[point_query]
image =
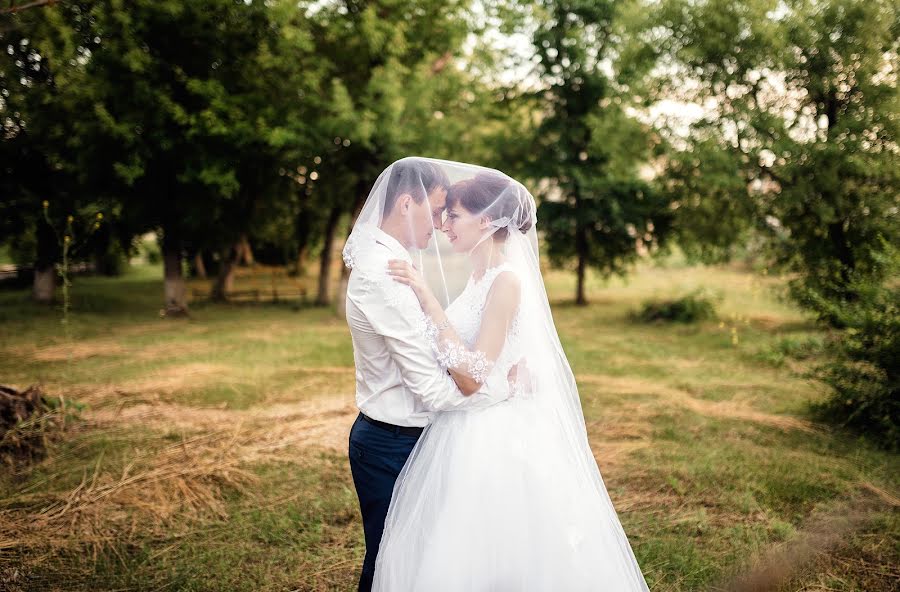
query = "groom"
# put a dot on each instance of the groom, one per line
(399, 383)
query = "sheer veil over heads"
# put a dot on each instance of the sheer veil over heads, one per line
(410, 202)
(458, 222)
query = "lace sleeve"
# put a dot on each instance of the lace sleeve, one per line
(474, 364)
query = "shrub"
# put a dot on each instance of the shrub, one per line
(692, 308)
(797, 348)
(863, 369)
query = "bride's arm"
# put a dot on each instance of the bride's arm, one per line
(468, 367)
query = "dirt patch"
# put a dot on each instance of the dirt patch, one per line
(813, 552)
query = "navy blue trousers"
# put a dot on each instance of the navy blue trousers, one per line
(376, 458)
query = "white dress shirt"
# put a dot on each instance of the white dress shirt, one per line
(398, 379)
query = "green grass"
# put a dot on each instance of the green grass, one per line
(691, 424)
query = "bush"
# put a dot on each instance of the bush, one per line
(150, 251)
(797, 348)
(692, 308)
(864, 367)
(112, 261)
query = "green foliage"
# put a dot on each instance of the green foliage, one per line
(864, 369)
(798, 145)
(796, 348)
(691, 308)
(712, 216)
(798, 138)
(41, 69)
(595, 210)
(601, 223)
(170, 115)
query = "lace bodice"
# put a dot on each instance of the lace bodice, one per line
(465, 314)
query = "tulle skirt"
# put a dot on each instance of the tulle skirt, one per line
(496, 500)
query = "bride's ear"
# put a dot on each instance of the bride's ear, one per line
(484, 222)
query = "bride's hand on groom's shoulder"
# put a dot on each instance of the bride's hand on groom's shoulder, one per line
(406, 273)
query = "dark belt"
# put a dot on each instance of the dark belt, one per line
(405, 430)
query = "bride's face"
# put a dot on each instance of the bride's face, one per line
(463, 228)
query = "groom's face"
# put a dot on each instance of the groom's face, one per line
(428, 216)
(437, 199)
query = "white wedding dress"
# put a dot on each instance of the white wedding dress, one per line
(494, 500)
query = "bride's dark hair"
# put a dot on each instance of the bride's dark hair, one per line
(494, 196)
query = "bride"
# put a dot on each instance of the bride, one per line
(504, 498)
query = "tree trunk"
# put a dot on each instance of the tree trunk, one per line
(175, 292)
(245, 252)
(301, 260)
(345, 271)
(44, 287)
(303, 230)
(581, 247)
(199, 265)
(325, 259)
(225, 278)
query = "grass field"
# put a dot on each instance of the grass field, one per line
(210, 451)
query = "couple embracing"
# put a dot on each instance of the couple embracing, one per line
(470, 454)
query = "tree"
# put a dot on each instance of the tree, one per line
(800, 139)
(387, 63)
(42, 71)
(597, 210)
(184, 100)
(799, 143)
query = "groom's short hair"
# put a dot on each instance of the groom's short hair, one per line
(416, 177)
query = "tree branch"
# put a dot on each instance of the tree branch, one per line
(14, 9)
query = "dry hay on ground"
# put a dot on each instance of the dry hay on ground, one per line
(323, 422)
(150, 387)
(170, 349)
(86, 348)
(77, 350)
(152, 493)
(178, 378)
(82, 350)
(165, 491)
(718, 409)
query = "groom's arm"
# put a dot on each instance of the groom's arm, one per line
(393, 311)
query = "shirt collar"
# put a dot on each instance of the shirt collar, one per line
(391, 243)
